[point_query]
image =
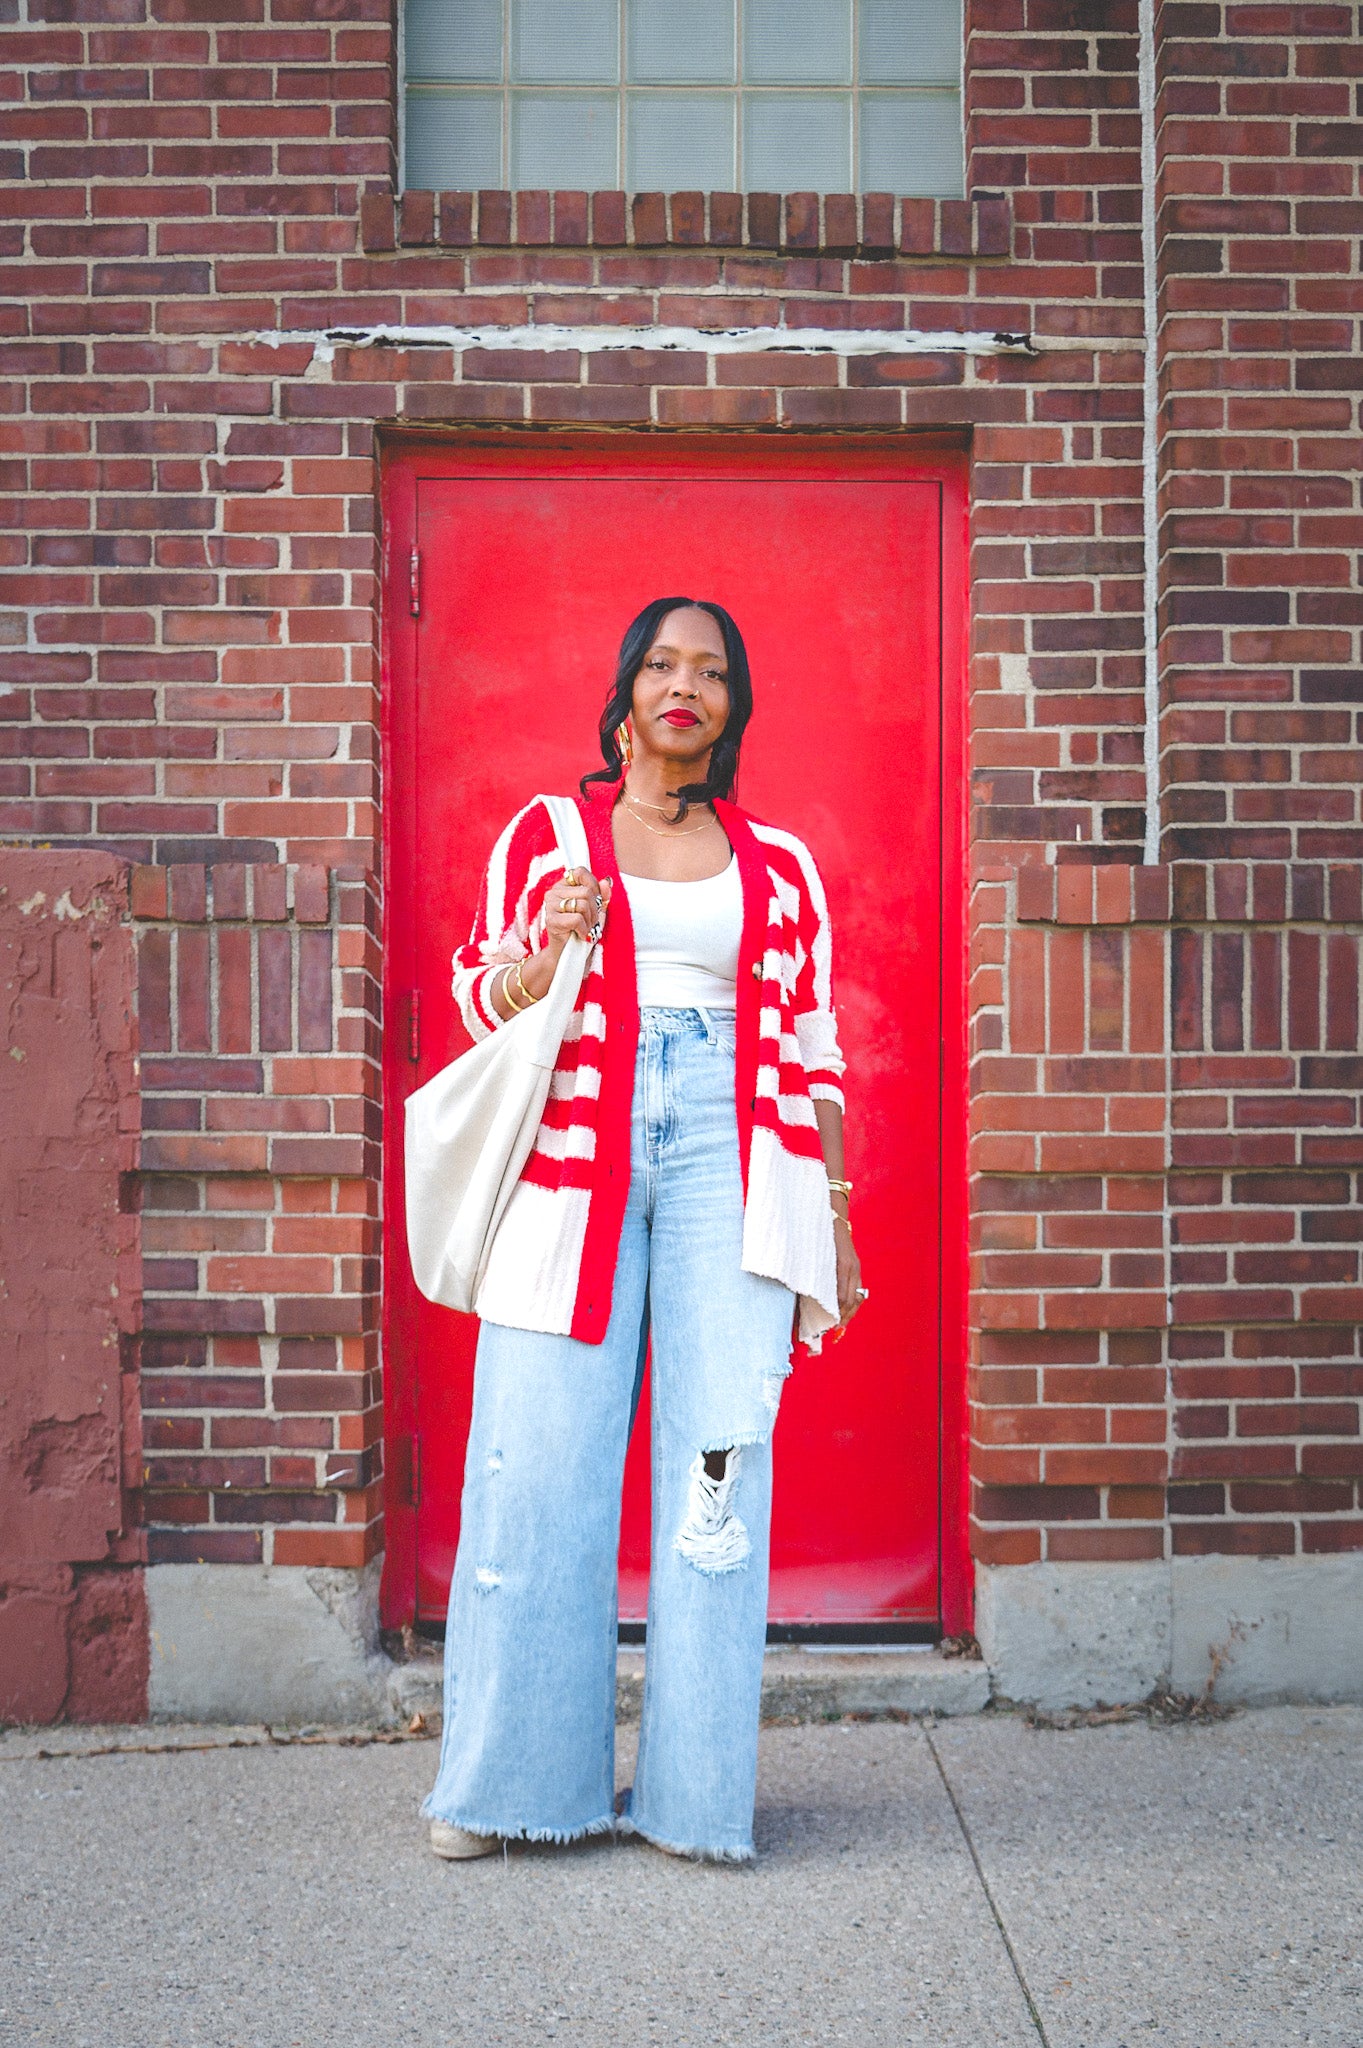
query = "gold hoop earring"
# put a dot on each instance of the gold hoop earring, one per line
(624, 741)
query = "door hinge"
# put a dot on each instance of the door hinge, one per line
(414, 1026)
(414, 584)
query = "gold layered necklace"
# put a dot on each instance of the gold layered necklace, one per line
(673, 832)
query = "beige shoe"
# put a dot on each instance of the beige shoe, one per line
(457, 1845)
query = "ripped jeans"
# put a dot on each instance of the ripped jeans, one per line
(529, 1736)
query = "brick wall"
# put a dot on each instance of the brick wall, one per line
(1069, 1158)
(1266, 1145)
(190, 673)
(1168, 1130)
(193, 513)
(1260, 297)
(258, 1004)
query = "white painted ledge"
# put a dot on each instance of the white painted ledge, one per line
(714, 341)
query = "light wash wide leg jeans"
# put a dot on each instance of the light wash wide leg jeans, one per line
(529, 1738)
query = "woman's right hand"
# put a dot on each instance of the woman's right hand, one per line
(575, 908)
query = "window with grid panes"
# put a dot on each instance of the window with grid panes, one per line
(684, 95)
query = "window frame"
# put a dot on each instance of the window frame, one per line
(624, 88)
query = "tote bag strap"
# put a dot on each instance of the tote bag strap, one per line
(541, 1033)
(569, 830)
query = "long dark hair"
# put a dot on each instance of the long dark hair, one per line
(642, 632)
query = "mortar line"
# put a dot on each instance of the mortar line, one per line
(1013, 1957)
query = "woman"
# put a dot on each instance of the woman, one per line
(687, 1182)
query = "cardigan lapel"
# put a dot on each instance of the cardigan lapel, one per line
(620, 999)
(756, 882)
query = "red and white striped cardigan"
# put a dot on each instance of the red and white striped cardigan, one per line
(552, 1263)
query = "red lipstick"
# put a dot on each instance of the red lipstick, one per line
(680, 717)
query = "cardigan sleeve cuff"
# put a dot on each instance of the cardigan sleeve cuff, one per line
(820, 1053)
(473, 993)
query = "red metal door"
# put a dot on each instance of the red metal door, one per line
(513, 568)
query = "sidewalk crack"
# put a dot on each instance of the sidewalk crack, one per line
(1013, 1957)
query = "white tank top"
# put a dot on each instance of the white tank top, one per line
(686, 937)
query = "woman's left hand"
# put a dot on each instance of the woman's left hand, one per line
(850, 1296)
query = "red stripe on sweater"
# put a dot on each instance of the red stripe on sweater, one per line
(544, 1172)
(565, 1114)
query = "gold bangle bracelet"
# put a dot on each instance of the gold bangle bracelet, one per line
(520, 983)
(507, 996)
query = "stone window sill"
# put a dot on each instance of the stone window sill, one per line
(870, 224)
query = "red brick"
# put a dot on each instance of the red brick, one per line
(417, 218)
(764, 220)
(533, 217)
(494, 218)
(650, 219)
(455, 219)
(377, 224)
(570, 218)
(1005, 1546)
(1104, 1544)
(346, 1549)
(1233, 1539)
(693, 407)
(608, 218)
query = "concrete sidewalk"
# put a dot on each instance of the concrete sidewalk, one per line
(975, 1881)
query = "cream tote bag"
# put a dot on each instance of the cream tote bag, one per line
(470, 1130)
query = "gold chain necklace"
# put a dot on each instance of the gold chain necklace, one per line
(631, 798)
(689, 833)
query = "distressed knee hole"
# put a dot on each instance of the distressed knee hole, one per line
(712, 1536)
(487, 1579)
(494, 1462)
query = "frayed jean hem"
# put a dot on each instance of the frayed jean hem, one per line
(604, 1825)
(694, 1851)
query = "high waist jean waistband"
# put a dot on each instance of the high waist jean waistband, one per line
(656, 1021)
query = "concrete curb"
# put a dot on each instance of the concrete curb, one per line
(797, 1685)
(817, 1685)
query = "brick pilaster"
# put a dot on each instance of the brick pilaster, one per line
(258, 1005)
